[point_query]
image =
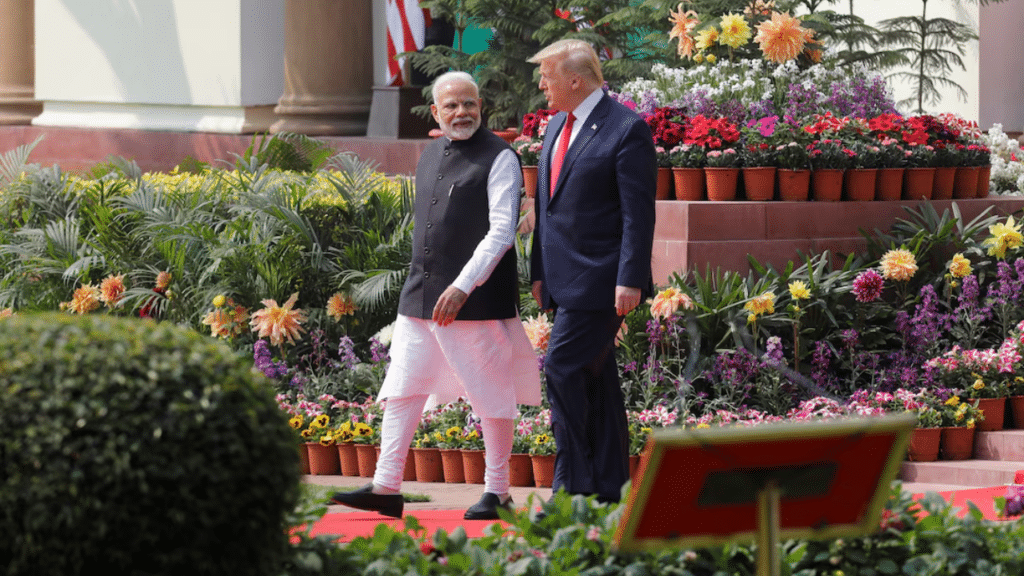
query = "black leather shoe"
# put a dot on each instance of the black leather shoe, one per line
(486, 508)
(364, 499)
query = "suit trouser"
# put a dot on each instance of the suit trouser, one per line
(588, 414)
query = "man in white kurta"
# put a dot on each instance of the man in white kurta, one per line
(458, 333)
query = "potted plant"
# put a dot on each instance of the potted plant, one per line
(688, 161)
(862, 174)
(958, 426)
(722, 173)
(365, 439)
(427, 455)
(891, 163)
(542, 455)
(828, 158)
(320, 442)
(757, 155)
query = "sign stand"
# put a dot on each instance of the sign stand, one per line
(780, 480)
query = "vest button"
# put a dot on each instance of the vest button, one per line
(447, 152)
(429, 225)
(426, 274)
(439, 176)
(426, 250)
(548, 212)
(433, 200)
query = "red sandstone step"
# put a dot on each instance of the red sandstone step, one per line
(964, 473)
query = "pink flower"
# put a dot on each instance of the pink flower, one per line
(867, 286)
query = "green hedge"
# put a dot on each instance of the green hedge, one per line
(135, 447)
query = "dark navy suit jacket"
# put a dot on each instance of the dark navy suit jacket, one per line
(596, 231)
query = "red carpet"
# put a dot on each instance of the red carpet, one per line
(350, 525)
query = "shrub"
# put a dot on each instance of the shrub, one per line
(134, 447)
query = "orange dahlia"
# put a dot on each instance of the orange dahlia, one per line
(220, 323)
(111, 290)
(781, 38)
(84, 300)
(6, 313)
(898, 264)
(683, 24)
(163, 280)
(538, 330)
(340, 305)
(668, 301)
(278, 322)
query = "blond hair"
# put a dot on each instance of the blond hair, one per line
(574, 56)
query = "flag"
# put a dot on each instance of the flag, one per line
(407, 24)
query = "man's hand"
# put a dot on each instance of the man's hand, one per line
(536, 291)
(626, 299)
(448, 305)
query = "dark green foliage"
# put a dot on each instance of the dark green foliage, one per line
(131, 447)
(288, 151)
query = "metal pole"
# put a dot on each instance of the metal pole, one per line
(768, 520)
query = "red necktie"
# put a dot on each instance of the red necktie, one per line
(563, 145)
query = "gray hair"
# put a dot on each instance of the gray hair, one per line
(455, 76)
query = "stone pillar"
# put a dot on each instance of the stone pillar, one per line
(328, 68)
(17, 62)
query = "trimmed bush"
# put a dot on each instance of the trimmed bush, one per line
(134, 447)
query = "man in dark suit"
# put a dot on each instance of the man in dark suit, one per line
(591, 261)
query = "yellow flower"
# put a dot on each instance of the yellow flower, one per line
(979, 384)
(668, 301)
(363, 429)
(898, 264)
(541, 439)
(698, 58)
(712, 58)
(307, 433)
(111, 289)
(163, 280)
(763, 304)
(682, 24)
(321, 421)
(735, 30)
(781, 38)
(278, 322)
(219, 300)
(706, 38)
(703, 426)
(340, 305)
(751, 318)
(970, 423)
(960, 266)
(327, 440)
(84, 300)
(295, 422)
(1004, 237)
(453, 432)
(798, 290)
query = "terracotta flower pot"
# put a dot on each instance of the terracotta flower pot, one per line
(957, 443)
(827, 185)
(543, 470)
(942, 183)
(451, 462)
(664, 187)
(409, 473)
(304, 458)
(323, 460)
(759, 183)
(918, 183)
(860, 184)
(965, 182)
(924, 445)
(428, 465)
(473, 465)
(984, 176)
(530, 180)
(349, 459)
(520, 470)
(1017, 411)
(794, 185)
(689, 183)
(721, 183)
(889, 184)
(367, 457)
(993, 409)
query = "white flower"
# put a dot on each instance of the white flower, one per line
(384, 334)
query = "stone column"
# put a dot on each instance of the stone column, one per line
(328, 68)
(17, 62)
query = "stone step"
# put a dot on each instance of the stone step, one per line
(1007, 445)
(961, 473)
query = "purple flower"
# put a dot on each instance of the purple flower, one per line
(347, 352)
(1014, 500)
(867, 286)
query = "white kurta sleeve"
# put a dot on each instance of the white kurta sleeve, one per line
(503, 186)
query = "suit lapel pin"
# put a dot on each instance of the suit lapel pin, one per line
(593, 126)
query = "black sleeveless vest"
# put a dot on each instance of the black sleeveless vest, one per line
(450, 221)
